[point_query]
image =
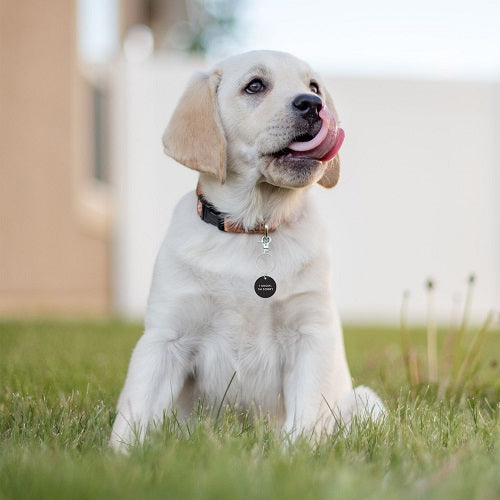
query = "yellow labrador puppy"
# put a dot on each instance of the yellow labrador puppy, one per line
(241, 299)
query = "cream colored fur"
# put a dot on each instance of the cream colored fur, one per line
(204, 321)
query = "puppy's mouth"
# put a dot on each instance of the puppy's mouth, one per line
(323, 146)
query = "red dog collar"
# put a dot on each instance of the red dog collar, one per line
(209, 214)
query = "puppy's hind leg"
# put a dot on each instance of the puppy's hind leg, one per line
(361, 403)
(159, 367)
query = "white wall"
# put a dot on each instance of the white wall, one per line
(418, 195)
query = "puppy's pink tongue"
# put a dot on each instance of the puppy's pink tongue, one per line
(325, 144)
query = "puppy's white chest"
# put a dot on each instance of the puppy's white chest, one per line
(224, 327)
(238, 344)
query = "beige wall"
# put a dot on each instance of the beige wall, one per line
(53, 245)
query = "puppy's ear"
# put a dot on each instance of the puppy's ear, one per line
(332, 172)
(194, 135)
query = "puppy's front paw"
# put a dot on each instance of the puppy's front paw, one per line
(125, 434)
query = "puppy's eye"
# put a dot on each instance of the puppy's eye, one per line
(314, 87)
(254, 87)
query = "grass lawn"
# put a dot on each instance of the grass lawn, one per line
(59, 382)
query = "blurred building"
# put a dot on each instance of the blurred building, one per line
(54, 211)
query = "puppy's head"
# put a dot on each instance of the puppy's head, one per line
(264, 115)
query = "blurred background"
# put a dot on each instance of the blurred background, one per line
(86, 194)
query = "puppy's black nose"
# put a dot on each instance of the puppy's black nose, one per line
(308, 105)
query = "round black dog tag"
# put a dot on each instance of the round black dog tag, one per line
(265, 287)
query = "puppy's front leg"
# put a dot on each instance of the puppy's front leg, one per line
(158, 370)
(316, 377)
